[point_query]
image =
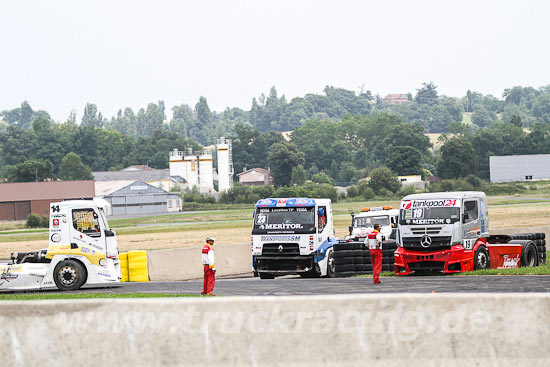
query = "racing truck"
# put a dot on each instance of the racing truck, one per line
(448, 232)
(363, 223)
(82, 250)
(293, 236)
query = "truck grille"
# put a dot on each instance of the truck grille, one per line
(425, 230)
(427, 265)
(437, 243)
(281, 249)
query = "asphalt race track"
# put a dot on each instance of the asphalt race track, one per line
(297, 286)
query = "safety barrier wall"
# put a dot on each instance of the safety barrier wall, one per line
(185, 263)
(510, 231)
(342, 330)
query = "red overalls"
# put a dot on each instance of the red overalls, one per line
(375, 255)
(209, 270)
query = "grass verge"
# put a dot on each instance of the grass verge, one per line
(49, 296)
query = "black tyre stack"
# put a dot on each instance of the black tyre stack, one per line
(343, 259)
(353, 258)
(540, 241)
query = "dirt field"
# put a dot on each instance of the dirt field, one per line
(501, 217)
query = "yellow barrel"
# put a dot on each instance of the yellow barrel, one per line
(137, 266)
(123, 257)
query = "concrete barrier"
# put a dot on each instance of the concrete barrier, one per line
(350, 330)
(185, 263)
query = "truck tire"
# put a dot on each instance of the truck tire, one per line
(343, 261)
(529, 256)
(481, 258)
(266, 276)
(345, 268)
(331, 265)
(343, 253)
(342, 246)
(69, 275)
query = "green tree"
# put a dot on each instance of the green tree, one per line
(91, 117)
(458, 158)
(483, 117)
(405, 160)
(322, 177)
(427, 94)
(298, 175)
(73, 169)
(282, 158)
(31, 170)
(382, 178)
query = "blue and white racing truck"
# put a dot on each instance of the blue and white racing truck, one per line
(293, 236)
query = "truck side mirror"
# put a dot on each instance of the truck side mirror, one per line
(350, 229)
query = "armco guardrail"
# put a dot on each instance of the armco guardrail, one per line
(185, 263)
(386, 330)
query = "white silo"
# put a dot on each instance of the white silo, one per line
(176, 166)
(206, 178)
(225, 165)
(192, 169)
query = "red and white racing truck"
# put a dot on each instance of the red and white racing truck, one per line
(449, 232)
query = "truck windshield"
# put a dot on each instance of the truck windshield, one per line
(284, 220)
(383, 220)
(433, 215)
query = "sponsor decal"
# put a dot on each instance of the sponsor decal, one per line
(55, 222)
(55, 237)
(426, 221)
(55, 230)
(104, 274)
(85, 250)
(285, 202)
(510, 262)
(48, 282)
(409, 204)
(281, 226)
(59, 216)
(279, 238)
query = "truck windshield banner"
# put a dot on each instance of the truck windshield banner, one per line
(437, 203)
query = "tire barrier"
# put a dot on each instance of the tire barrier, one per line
(123, 258)
(137, 266)
(534, 244)
(353, 258)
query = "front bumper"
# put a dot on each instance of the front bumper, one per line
(453, 260)
(283, 264)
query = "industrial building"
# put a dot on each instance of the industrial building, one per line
(198, 170)
(110, 181)
(513, 168)
(142, 198)
(255, 177)
(18, 200)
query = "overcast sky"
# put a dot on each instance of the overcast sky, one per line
(60, 54)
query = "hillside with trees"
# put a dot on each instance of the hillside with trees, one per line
(337, 138)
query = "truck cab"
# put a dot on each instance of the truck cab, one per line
(293, 236)
(441, 231)
(363, 223)
(82, 250)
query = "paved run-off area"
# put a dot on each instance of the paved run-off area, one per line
(297, 286)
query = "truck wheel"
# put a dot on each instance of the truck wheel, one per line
(266, 276)
(331, 266)
(481, 258)
(69, 275)
(529, 256)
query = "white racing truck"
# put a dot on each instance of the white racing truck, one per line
(82, 250)
(293, 236)
(363, 223)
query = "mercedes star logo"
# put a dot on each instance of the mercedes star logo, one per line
(280, 248)
(425, 241)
